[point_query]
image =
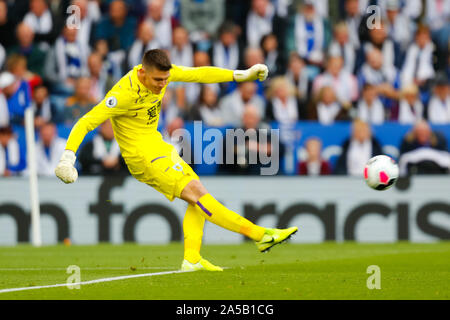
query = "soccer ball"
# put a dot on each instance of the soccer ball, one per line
(381, 172)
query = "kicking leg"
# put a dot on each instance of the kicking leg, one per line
(196, 194)
(265, 238)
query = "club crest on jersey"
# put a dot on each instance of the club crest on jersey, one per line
(111, 102)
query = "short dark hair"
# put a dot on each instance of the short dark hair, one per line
(156, 58)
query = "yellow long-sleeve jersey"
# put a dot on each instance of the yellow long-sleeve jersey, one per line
(134, 110)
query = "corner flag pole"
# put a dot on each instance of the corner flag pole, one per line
(36, 239)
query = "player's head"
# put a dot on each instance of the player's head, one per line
(155, 70)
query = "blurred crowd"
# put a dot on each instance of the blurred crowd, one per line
(364, 61)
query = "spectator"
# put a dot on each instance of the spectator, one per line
(341, 46)
(437, 16)
(370, 109)
(112, 61)
(145, 41)
(418, 64)
(273, 57)
(357, 150)
(328, 110)
(41, 105)
(117, 28)
(410, 108)
(161, 22)
(298, 76)
(226, 52)
(26, 47)
(169, 110)
(233, 104)
(386, 80)
(259, 21)
(399, 26)
(412, 9)
(182, 52)
(202, 19)
(378, 38)
(9, 152)
(353, 19)
(314, 164)
(101, 79)
(174, 135)
(439, 106)
(245, 156)
(423, 151)
(42, 22)
(345, 83)
(89, 16)
(49, 149)
(7, 26)
(283, 105)
(208, 109)
(66, 62)
(18, 95)
(310, 34)
(80, 103)
(4, 111)
(17, 65)
(101, 155)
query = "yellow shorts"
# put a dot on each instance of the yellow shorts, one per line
(160, 166)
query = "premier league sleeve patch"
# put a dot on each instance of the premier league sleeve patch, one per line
(111, 102)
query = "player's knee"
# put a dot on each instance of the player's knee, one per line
(193, 191)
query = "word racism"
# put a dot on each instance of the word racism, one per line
(251, 146)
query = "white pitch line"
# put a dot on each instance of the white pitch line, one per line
(93, 281)
(83, 268)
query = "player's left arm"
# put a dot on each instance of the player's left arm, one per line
(215, 74)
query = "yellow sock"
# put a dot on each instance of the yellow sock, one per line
(193, 223)
(218, 214)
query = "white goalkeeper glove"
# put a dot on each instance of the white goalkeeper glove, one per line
(258, 71)
(65, 169)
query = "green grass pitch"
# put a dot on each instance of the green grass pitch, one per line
(288, 271)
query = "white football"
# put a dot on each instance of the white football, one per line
(381, 172)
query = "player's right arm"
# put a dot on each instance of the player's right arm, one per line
(115, 103)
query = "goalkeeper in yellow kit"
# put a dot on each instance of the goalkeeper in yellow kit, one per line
(133, 105)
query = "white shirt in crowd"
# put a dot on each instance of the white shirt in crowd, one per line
(408, 114)
(347, 52)
(345, 85)
(225, 58)
(137, 49)
(162, 28)
(439, 111)
(357, 156)
(258, 26)
(418, 64)
(373, 113)
(302, 35)
(46, 164)
(437, 13)
(410, 8)
(40, 25)
(327, 113)
(232, 107)
(13, 155)
(211, 117)
(4, 111)
(285, 113)
(402, 30)
(183, 57)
